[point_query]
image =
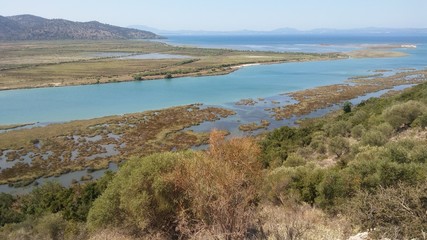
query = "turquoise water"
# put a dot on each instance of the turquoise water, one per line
(83, 102)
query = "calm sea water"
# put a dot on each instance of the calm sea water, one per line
(83, 102)
(292, 43)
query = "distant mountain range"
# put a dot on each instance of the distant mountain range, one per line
(29, 27)
(293, 31)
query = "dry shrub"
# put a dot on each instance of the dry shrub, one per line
(199, 195)
(293, 221)
(111, 234)
(220, 188)
(397, 212)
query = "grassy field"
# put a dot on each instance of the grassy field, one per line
(62, 63)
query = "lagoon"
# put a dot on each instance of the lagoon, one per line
(89, 101)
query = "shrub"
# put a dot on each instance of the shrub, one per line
(220, 188)
(138, 198)
(7, 212)
(359, 117)
(347, 107)
(358, 131)
(374, 138)
(334, 188)
(184, 193)
(137, 77)
(408, 150)
(338, 128)
(339, 146)
(403, 114)
(420, 121)
(386, 129)
(50, 226)
(294, 160)
(50, 197)
(396, 212)
(277, 145)
(318, 142)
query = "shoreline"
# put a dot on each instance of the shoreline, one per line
(121, 79)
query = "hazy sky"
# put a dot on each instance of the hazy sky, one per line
(231, 14)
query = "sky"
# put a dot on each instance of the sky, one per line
(228, 15)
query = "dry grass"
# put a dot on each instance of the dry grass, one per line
(294, 221)
(111, 234)
(369, 53)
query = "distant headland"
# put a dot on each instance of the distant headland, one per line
(30, 27)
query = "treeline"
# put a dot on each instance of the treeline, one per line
(362, 168)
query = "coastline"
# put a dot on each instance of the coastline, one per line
(208, 72)
(215, 71)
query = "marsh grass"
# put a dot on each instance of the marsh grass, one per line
(326, 96)
(71, 149)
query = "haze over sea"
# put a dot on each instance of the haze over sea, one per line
(83, 102)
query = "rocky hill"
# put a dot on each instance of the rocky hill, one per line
(29, 27)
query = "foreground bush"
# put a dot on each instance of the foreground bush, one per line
(397, 212)
(185, 194)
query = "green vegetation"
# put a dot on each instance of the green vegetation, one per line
(328, 178)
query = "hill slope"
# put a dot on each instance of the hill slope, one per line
(29, 27)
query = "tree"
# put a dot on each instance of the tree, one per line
(347, 107)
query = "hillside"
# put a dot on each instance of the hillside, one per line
(29, 27)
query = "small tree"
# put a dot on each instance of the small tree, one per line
(347, 107)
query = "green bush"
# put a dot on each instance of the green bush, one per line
(294, 160)
(403, 114)
(138, 197)
(386, 129)
(7, 212)
(347, 107)
(358, 131)
(334, 189)
(339, 146)
(338, 128)
(50, 197)
(374, 138)
(279, 143)
(318, 142)
(407, 151)
(288, 184)
(420, 121)
(359, 117)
